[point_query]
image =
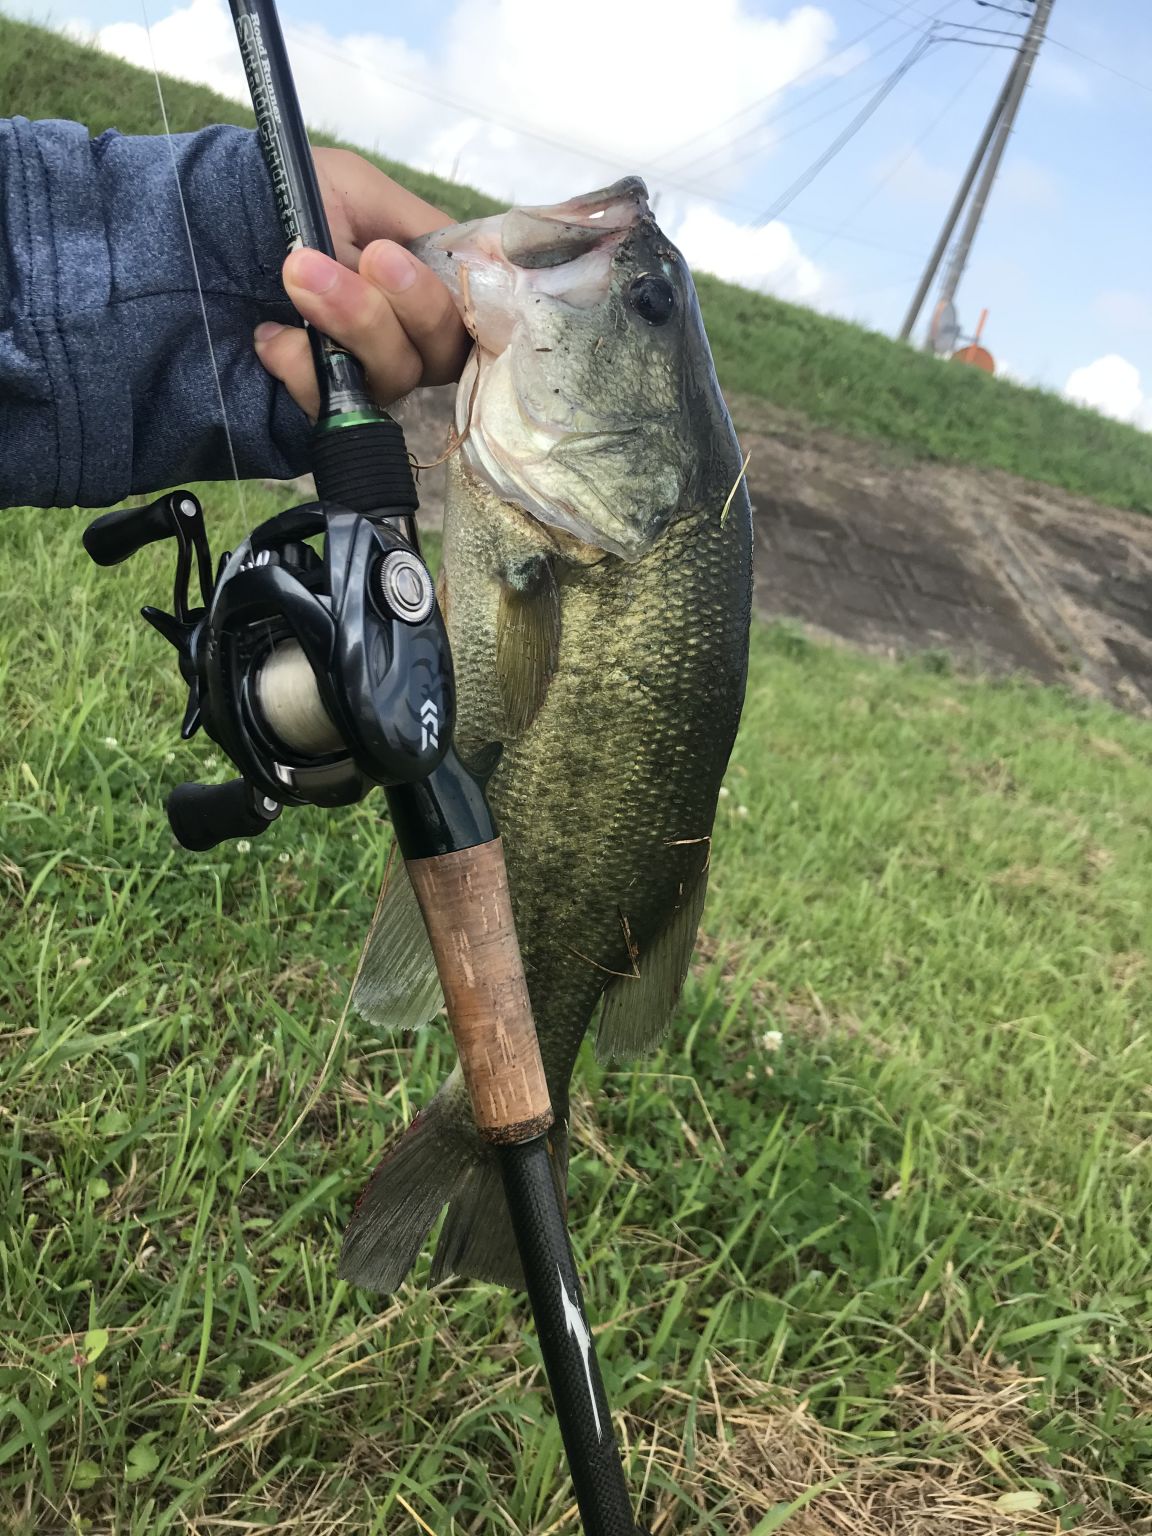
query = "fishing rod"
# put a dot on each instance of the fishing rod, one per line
(326, 675)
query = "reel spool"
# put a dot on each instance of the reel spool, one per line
(321, 675)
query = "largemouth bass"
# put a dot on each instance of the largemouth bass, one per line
(596, 584)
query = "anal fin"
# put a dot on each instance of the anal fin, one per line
(398, 987)
(637, 1009)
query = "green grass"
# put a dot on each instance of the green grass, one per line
(925, 1214)
(837, 374)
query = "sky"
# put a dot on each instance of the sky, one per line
(727, 106)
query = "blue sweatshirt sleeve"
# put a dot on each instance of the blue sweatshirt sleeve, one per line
(107, 383)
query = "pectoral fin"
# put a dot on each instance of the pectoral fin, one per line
(637, 1009)
(527, 642)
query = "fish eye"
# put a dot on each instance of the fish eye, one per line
(652, 297)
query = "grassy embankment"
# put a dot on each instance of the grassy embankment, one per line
(923, 1212)
(837, 374)
(926, 1214)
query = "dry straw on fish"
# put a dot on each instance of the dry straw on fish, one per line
(735, 487)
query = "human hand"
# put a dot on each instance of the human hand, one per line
(386, 307)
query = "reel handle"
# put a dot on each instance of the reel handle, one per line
(117, 535)
(202, 815)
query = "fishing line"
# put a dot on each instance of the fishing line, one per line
(195, 263)
(340, 1031)
(390, 873)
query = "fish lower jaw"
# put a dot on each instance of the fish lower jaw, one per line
(506, 455)
(488, 474)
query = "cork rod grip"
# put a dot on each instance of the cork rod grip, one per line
(468, 912)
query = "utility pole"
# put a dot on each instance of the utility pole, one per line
(989, 152)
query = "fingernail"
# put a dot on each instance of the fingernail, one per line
(393, 267)
(266, 330)
(312, 270)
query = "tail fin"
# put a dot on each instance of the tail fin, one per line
(439, 1159)
(402, 1199)
(477, 1240)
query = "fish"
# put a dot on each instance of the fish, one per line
(596, 582)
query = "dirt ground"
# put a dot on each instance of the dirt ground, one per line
(895, 556)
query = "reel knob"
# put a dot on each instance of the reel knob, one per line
(203, 815)
(117, 535)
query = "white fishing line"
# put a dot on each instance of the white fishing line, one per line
(195, 263)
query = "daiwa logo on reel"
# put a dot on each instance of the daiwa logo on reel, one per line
(429, 725)
(264, 557)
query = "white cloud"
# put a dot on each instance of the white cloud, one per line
(1112, 386)
(532, 108)
(342, 80)
(668, 75)
(767, 258)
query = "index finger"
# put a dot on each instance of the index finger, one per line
(376, 207)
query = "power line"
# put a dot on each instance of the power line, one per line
(926, 14)
(899, 165)
(1100, 64)
(758, 148)
(756, 129)
(1110, 69)
(475, 110)
(806, 177)
(891, 15)
(984, 165)
(783, 86)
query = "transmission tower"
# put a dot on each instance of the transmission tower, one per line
(984, 165)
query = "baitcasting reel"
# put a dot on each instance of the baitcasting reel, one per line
(321, 675)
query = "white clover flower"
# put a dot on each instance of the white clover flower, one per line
(771, 1040)
(724, 791)
(211, 762)
(285, 857)
(110, 742)
(169, 757)
(741, 810)
(243, 846)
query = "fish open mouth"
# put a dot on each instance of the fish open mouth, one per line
(535, 427)
(541, 238)
(552, 236)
